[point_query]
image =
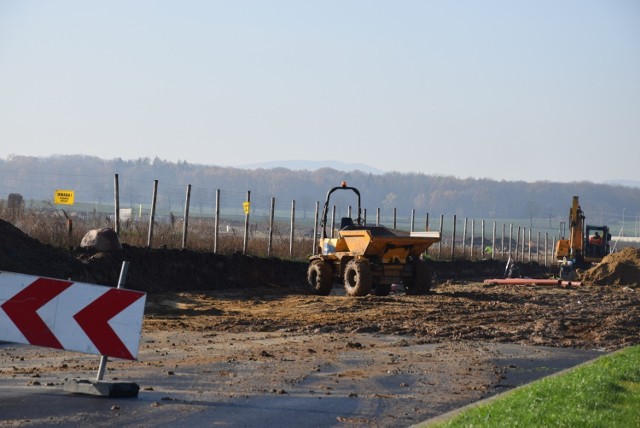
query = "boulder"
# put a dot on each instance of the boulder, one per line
(105, 239)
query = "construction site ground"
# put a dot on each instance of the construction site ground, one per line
(238, 341)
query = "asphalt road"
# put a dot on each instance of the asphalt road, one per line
(418, 381)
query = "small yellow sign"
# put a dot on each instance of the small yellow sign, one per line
(246, 206)
(64, 197)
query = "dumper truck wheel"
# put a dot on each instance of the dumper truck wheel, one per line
(420, 280)
(320, 277)
(357, 278)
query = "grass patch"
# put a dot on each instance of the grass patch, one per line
(605, 393)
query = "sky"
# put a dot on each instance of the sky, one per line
(508, 90)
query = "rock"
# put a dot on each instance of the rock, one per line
(104, 239)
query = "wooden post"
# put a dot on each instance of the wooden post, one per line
(502, 242)
(394, 218)
(116, 196)
(333, 220)
(440, 242)
(216, 224)
(546, 240)
(464, 238)
(453, 239)
(413, 219)
(473, 234)
(493, 242)
(185, 223)
(426, 223)
(271, 217)
(482, 240)
(524, 235)
(315, 228)
(553, 249)
(529, 243)
(377, 216)
(293, 227)
(517, 244)
(538, 249)
(152, 215)
(245, 243)
(510, 237)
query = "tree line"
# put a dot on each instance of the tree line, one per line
(468, 197)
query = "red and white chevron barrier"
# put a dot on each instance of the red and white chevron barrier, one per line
(69, 315)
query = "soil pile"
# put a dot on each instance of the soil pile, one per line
(23, 254)
(621, 268)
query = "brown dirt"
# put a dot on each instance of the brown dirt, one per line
(210, 292)
(621, 268)
(206, 310)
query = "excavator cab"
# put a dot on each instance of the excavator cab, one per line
(596, 242)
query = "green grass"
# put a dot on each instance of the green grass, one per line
(605, 393)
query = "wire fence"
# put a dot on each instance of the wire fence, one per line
(230, 220)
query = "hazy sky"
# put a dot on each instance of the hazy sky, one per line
(513, 90)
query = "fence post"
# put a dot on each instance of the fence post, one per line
(538, 249)
(553, 249)
(245, 242)
(502, 241)
(315, 228)
(426, 223)
(293, 224)
(510, 237)
(185, 223)
(413, 219)
(116, 196)
(394, 218)
(216, 223)
(440, 242)
(546, 241)
(482, 240)
(333, 220)
(473, 234)
(271, 216)
(152, 215)
(377, 216)
(453, 239)
(529, 245)
(493, 242)
(464, 237)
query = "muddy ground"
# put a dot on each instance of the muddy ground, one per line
(249, 326)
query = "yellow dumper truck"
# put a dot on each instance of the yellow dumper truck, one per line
(368, 259)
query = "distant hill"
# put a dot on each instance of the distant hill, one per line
(628, 183)
(92, 179)
(302, 165)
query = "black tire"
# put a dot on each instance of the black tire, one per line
(357, 278)
(420, 281)
(381, 290)
(320, 277)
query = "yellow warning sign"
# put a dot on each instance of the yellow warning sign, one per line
(64, 197)
(246, 206)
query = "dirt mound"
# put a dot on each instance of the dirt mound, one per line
(621, 268)
(23, 254)
(164, 270)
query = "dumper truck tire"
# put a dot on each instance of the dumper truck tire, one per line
(420, 280)
(320, 277)
(357, 278)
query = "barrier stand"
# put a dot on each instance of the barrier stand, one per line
(99, 386)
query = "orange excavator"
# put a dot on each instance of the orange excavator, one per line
(586, 244)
